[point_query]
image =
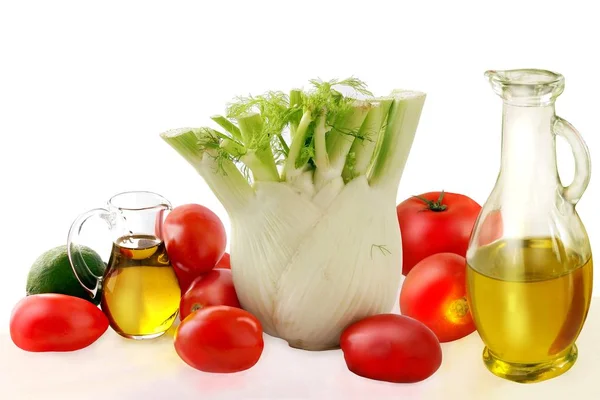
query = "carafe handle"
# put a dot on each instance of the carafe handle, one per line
(87, 279)
(581, 177)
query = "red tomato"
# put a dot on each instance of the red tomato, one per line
(195, 239)
(491, 229)
(215, 288)
(158, 223)
(220, 339)
(224, 262)
(435, 222)
(185, 279)
(126, 252)
(390, 347)
(55, 322)
(435, 293)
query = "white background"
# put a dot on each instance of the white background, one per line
(86, 87)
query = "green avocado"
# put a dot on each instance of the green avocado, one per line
(52, 273)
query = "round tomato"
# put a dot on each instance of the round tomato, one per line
(434, 292)
(195, 239)
(491, 228)
(185, 279)
(435, 222)
(220, 339)
(215, 288)
(55, 322)
(224, 262)
(158, 223)
(390, 347)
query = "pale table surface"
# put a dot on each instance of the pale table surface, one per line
(116, 368)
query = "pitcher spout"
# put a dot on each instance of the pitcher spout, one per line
(526, 87)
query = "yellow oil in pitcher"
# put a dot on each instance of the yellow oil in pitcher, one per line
(530, 305)
(140, 291)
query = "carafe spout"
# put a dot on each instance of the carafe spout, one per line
(526, 87)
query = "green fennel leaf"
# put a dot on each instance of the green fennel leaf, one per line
(274, 110)
(207, 139)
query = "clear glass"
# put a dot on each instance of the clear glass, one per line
(529, 260)
(139, 290)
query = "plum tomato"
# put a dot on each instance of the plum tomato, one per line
(434, 292)
(391, 347)
(215, 288)
(220, 339)
(195, 240)
(435, 222)
(55, 322)
(224, 262)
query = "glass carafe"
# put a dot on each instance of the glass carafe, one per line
(139, 291)
(529, 258)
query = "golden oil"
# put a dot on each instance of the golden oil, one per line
(529, 299)
(140, 291)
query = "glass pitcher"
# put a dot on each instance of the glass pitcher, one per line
(139, 290)
(529, 272)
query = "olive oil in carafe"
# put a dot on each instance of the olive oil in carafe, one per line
(529, 303)
(140, 290)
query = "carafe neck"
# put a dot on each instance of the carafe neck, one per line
(528, 147)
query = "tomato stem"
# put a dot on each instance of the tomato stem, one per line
(196, 307)
(435, 206)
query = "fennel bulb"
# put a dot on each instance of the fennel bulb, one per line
(309, 181)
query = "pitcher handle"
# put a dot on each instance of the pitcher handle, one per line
(87, 279)
(581, 177)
